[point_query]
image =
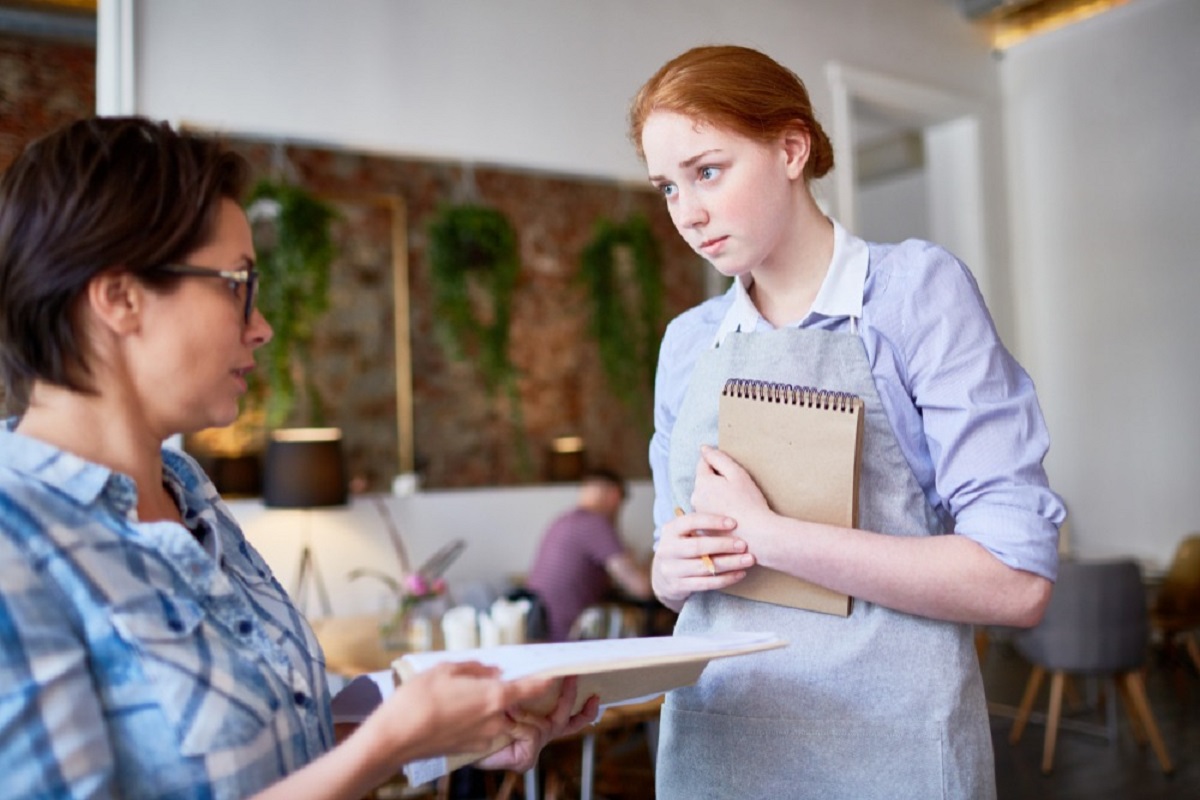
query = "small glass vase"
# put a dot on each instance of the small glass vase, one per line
(413, 628)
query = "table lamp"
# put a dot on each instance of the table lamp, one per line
(304, 469)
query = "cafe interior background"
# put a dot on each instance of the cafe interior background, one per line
(1060, 166)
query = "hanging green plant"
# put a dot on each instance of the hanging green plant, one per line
(294, 245)
(622, 270)
(474, 264)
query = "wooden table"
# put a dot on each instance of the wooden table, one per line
(353, 645)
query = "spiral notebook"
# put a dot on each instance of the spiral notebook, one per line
(803, 447)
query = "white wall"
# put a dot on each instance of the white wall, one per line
(502, 528)
(1103, 123)
(895, 208)
(534, 83)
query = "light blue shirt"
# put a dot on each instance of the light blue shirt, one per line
(963, 410)
(136, 663)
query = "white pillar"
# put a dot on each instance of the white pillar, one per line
(114, 58)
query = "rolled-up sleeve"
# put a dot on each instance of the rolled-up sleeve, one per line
(969, 423)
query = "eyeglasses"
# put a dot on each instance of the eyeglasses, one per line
(237, 279)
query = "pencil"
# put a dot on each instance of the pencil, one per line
(708, 562)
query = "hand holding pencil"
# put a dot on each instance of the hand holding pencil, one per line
(704, 557)
(697, 552)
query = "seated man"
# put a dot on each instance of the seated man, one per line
(581, 556)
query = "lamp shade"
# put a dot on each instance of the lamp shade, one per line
(304, 468)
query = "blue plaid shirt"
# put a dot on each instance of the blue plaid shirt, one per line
(136, 662)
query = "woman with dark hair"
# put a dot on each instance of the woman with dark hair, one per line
(146, 650)
(957, 525)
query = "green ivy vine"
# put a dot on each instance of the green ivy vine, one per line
(474, 265)
(626, 313)
(472, 244)
(294, 244)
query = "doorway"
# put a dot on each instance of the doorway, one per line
(909, 163)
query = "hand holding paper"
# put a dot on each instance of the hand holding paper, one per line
(518, 717)
(532, 730)
(523, 732)
(458, 707)
(617, 670)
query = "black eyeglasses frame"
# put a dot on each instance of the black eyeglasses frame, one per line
(238, 277)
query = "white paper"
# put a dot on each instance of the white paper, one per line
(367, 692)
(564, 658)
(424, 771)
(518, 661)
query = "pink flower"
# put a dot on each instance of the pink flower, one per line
(439, 586)
(414, 584)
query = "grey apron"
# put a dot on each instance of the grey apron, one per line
(877, 705)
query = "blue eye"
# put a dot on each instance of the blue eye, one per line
(709, 173)
(667, 189)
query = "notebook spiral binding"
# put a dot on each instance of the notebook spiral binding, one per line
(791, 394)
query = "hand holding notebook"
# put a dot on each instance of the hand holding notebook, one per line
(802, 446)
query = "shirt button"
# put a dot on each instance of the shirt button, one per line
(300, 698)
(244, 627)
(175, 625)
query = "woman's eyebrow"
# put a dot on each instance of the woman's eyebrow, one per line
(687, 163)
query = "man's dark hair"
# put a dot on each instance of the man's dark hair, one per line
(99, 194)
(605, 475)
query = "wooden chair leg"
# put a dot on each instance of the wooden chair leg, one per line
(1056, 693)
(1192, 642)
(508, 785)
(1071, 695)
(982, 640)
(1137, 693)
(1135, 719)
(553, 783)
(1031, 690)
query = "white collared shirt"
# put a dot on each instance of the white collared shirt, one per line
(840, 295)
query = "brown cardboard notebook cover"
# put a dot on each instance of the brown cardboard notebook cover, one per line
(802, 446)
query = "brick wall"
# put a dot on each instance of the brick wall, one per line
(463, 436)
(43, 85)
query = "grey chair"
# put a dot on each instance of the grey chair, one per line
(1095, 625)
